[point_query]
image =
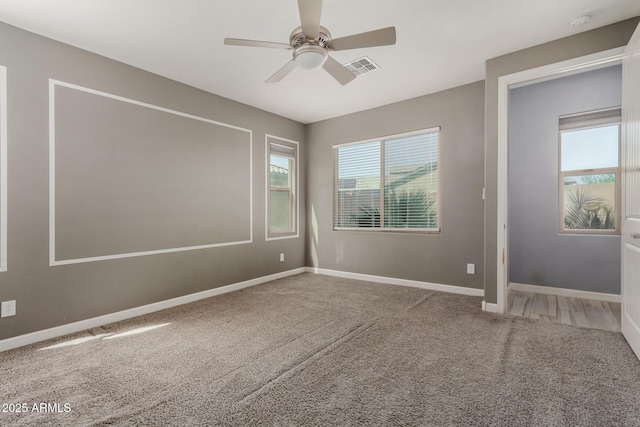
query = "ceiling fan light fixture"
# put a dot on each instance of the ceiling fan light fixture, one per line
(310, 56)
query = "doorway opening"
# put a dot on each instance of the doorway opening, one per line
(505, 84)
(563, 199)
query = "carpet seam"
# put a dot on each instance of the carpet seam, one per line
(291, 371)
(420, 301)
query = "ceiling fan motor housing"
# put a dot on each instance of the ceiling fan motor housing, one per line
(297, 38)
(310, 54)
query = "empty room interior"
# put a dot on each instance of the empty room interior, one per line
(319, 212)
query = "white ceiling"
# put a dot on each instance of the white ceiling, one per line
(440, 43)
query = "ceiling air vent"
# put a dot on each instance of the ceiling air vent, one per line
(361, 66)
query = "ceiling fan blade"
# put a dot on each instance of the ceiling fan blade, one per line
(338, 71)
(310, 11)
(256, 43)
(381, 37)
(282, 72)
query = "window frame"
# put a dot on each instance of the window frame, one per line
(584, 121)
(3, 169)
(293, 188)
(382, 228)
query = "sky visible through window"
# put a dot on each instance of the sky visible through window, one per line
(590, 148)
(282, 162)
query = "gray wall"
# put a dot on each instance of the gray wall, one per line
(430, 258)
(598, 40)
(538, 253)
(50, 296)
(128, 179)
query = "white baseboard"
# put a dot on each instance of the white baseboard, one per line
(489, 307)
(58, 331)
(401, 282)
(562, 292)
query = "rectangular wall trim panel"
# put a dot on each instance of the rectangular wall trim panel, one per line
(3, 168)
(128, 178)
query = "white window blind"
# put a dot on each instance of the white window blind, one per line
(390, 184)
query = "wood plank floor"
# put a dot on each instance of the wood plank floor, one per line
(569, 311)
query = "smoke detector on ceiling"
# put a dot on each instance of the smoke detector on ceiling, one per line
(361, 66)
(580, 21)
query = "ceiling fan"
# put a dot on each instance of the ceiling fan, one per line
(311, 44)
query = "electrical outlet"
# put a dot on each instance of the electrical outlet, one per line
(471, 269)
(281, 257)
(8, 308)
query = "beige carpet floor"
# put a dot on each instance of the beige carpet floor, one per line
(312, 350)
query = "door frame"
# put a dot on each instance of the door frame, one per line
(510, 81)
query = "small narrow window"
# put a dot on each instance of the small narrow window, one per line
(589, 186)
(390, 184)
(281, 194)
(3, 168)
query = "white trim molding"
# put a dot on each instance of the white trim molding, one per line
(461, 290)
(563, 292)
(489, 307)
(52, 178)
(58, 331)
(534, 75)
(70, 328)
(3, 168)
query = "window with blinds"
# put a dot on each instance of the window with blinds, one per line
(389, 184)
(281, 195)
